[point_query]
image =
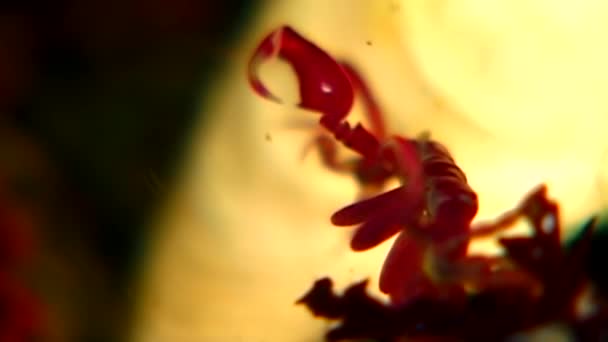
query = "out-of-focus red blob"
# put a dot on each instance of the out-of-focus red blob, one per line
(21, 310)
(16, 238)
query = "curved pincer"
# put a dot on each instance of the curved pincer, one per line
(324, 85)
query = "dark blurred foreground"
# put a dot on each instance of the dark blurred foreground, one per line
(97, 99)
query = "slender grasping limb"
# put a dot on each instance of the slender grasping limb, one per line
(370, 175)
(505, 221)
(484, 271)
(372, 109)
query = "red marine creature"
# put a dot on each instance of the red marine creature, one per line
(433, 208)
(437, 291)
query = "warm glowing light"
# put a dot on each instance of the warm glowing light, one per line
(514, 88)
(529, 73)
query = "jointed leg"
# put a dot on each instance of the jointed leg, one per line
(329, 154)
(505, 221)
(487, 271)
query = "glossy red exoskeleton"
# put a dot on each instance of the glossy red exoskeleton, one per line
(432, 209)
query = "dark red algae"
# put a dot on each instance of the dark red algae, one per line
(493, 314)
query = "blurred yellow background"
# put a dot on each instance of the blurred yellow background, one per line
(513, 88)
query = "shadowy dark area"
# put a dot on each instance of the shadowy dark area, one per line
(498, 312)
(97, 99)
(598, 257)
